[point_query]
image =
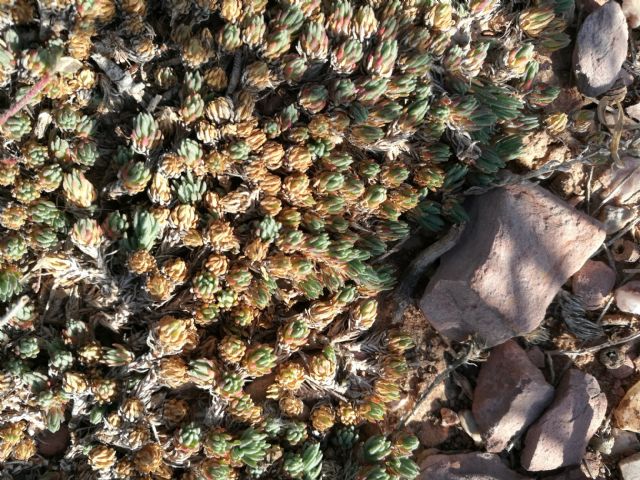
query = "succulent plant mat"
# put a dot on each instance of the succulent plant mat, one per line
(202, 206)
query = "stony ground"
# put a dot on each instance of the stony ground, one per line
(557, 274)
(527, 362)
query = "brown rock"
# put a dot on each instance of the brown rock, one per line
(51, 444)
(536, 355)
(510, 395)
(521, 244)
(466, 466)
(560, 437)
(593, 284)
(431, 434)
(628, 297)
(601, 48)
(627, 413)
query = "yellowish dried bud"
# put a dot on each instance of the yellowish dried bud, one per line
(184, 217)
(221, 236)
(173, 371)
(102, 457)
(271, 205)
(91, 353)
(256, 250)
(13, 216)
(347, 414)
(216, 78)
(74, 383)
(124, 468)
(175, 270)
(114, 420)
(231, 349)
(272, 155)
(149, 458)
(270, 184)
(159, 190)
(79, 44)
(556, 123)
(323, 417)
(170, 333)
(237, 201)
(138, 435)
(104, 389)
(141, 261)
(193, 238)
(217, 264)
(175, 410)
(291, 406)
(12, 433)
(231, 10)
(256, 140)
(171, 165)
(132, 409)
(290, 376)
(25, 449)
(298, 158)
(274, 391)
(159, 287)
(135, 8)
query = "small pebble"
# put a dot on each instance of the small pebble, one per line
(449, 417)
(593, 283)
(628, 297)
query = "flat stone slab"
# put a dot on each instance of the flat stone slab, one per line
(560, 437)
(521, 244)
(511, 393)
(601, 48)
(466, 466)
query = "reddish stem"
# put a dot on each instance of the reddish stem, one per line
(24, 101)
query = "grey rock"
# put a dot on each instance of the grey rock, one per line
(521, 244)
(511, 393)
(466, 466)
(560, 437)
(601, 48)
(624, 443)
(571, 474)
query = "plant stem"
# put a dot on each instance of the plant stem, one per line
(24, 101)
